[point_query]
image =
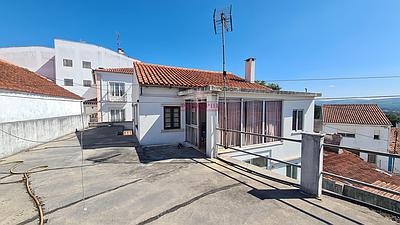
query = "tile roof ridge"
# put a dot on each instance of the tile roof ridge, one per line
(184, 68)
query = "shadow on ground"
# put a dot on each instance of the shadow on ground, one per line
(167, 152)
(278, 194)
(105, 137)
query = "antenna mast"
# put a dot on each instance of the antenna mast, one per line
(118, 41)
(223, 23)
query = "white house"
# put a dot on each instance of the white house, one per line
(361, 126)
(69, 64)
(34, 110)
(171, 105)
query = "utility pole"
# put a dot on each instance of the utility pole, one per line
(223, 22)
(394, 149)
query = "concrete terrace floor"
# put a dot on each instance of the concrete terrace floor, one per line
(158, 185)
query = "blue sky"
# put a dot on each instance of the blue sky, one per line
(290, 39)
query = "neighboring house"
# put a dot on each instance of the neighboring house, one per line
(349, 165)
(34, 109)
(69, 64)
(171, 105)
(361, 126)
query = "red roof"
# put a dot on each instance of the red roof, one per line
(16, 78)
(158, 75)
(393, 140)
(368, 114)
(352, 166)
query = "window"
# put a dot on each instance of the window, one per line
(87, 83)
(117, 89)
(253, 121)
(297, 120)
(291, 171)
(376, 135)
(348, 135)
(117, 115)
(232, 121)
(371, 158)
(86, 64)
(273, 118)
(67, 62)
(172, 117)
(260, 162)
(68, 82)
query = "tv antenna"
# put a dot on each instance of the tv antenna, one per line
(117, 40)
(223, 23)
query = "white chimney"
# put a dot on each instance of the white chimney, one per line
(250, 69)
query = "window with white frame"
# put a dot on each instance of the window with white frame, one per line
(117, 89)
(67, 62)
(86, 64)
(117, 115)
(297, 119)
(172, 117)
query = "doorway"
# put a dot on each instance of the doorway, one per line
(195, 123)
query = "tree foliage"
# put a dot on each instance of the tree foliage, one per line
(393, 117)
(273, 86)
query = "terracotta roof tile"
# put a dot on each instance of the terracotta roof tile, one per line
(369, 114)
(352, 166)
(159, 75)
(16, 78)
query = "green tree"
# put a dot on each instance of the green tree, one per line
(273, 86)
(393, 117)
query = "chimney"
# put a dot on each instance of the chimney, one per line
(250, 69)
(121, 51)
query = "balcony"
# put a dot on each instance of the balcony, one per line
(113, 98)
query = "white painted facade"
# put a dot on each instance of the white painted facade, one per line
(79, 52)
(49, 62)
(38, 59)
(20, 106)
(364, 138)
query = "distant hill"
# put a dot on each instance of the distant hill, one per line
(386, 104)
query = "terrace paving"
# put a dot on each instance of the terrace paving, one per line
(124, 184)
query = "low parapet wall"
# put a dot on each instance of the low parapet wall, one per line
(21, 135)
(361, 195)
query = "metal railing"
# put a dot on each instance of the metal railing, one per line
(262, 156)
(350, 180)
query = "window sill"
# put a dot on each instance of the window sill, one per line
(298, 132)
(171, 130)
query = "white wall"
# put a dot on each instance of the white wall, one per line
(35, 58)
(364, 138)
(24, 106)
(78, 52)
(132, 94)
(35, 119)
(151, 119)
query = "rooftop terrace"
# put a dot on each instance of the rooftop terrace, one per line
(160, 185)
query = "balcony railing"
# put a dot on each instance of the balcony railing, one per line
(311, 155)
(113, 98)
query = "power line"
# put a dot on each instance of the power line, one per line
(359, 97)
(338, 78)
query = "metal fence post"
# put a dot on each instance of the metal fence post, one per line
(311, 163)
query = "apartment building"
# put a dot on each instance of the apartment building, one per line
(69, 64)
